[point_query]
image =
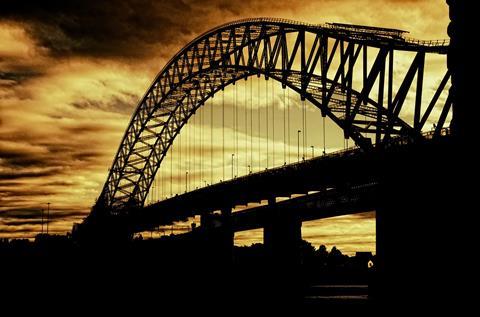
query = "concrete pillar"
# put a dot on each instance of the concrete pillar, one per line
(460, 57)
(416, 223)
(217, 236)
(282, 236)
(227, 234)
(424, 223)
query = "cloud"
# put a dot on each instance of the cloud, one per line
(72, 72)
(17, 78)
(136, 28)
(125, 28)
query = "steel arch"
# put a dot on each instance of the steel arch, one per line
(244, 48)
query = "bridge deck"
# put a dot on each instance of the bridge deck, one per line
(319, 205)
(334, 171)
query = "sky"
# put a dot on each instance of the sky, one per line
(72, 73)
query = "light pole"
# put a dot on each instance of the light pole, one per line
(298, 145)
(48, 215)
(313, 150)
(42, 220)
(186, 181)
(249, 170)
(233, 156)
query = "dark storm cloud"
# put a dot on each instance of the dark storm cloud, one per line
(120, 103)
(122, 28)
(17, 78)
(71, 72)
(30, 155)
(18, 192)
(28, 220)
(11, 175)
(17, 229)
(22, 222)
(19, 159)
(34, 213)
(85, 128)
(102, 28)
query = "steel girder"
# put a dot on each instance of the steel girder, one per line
(241, 49)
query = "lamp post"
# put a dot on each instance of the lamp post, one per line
(313, 150)
(48, 215)
(298, 145)
(233, 156)
(42, 219)
(186, 181)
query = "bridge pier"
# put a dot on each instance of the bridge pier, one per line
(218, 235)
(417, 223)
(282, 236)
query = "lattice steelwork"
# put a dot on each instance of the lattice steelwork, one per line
(250, 47)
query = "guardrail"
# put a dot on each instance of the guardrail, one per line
(429, 43)
(340, 153)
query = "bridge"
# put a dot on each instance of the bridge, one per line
(375, 86)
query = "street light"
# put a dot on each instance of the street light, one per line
(298, 145)
(313, 151)
(48, 215)
(233, 156)
(186, 181)
(42, 219)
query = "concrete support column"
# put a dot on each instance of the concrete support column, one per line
(217, 236)
(416, 223)
(282, 236)
(227, 234)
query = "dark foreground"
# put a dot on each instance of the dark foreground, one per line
(152, 275)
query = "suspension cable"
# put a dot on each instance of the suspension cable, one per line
(236, 131)
(179, 167)
(266, 111)
(201, 147)
(246, 125)
(288, 127)
(303, 129)
(258, 121)
(194, 148)
(306, 128)
(223, 133)
(284, 131)
(251, 124)
(211, 139)
(324, 145)
(171, 169)
(273, 123)
(161, 183)
(187, 159)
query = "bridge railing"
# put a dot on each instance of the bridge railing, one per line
(429, 43)
(397, 141)
(348, 151)
(265, 19)
(431, 134)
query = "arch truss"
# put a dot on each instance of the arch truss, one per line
(321, 70)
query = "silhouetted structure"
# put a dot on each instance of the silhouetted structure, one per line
(402, 175)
